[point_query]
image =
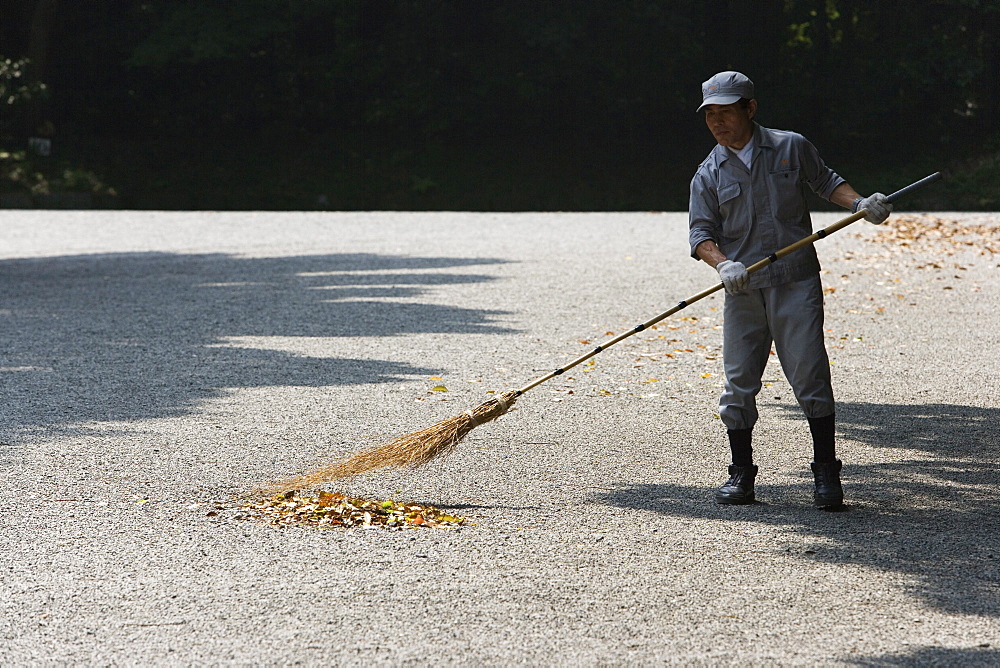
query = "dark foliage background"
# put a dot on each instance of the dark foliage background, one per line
(482, 104)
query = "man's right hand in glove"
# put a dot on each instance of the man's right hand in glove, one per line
(734, 276)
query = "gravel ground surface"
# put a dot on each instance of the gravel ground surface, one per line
(157, 365)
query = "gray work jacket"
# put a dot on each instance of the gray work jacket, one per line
(750, 213)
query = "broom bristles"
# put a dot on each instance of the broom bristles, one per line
(410, 451)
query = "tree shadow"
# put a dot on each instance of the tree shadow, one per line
(973, 657)
(143, 335)
(931, 515)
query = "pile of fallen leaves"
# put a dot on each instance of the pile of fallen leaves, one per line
(931, 233)
(330, 509)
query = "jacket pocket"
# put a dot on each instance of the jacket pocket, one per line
(735, 218)
(786, 194)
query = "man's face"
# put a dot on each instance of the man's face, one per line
(731, 124)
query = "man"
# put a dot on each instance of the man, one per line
(748, 199)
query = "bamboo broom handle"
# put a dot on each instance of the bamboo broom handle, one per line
(757, 266)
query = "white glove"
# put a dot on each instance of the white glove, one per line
(877, 208)
(734, 276)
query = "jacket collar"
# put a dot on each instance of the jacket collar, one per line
(761, 139)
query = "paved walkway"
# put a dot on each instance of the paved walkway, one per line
(154, 365)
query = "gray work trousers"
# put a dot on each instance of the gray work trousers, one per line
(790, 315)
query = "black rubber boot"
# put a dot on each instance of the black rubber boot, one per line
(829, 493)
(738, 490)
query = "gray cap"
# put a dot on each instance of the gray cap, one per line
(726, 88)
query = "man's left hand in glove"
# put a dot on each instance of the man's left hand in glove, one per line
(877, 208)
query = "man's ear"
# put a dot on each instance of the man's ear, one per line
(752, 109)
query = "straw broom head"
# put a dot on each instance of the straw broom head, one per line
(408, 451)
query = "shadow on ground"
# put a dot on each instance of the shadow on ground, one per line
(976, 657)
(143, 335)
(930, 514)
